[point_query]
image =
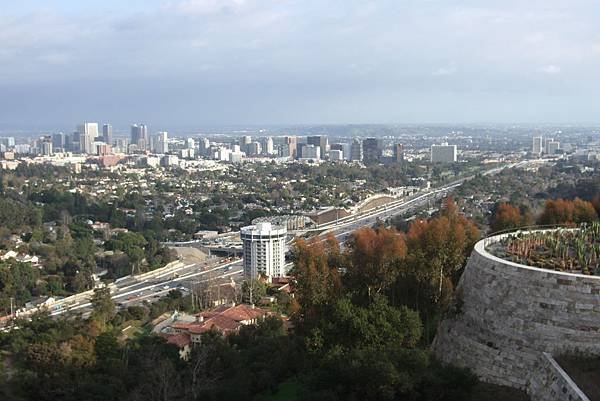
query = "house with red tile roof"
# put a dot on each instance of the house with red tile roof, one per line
(225, 319)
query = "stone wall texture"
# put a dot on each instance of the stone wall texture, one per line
(506, 315)
(551, 383)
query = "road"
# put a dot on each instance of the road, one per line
(130, 290)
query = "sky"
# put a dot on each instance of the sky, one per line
(236, 62)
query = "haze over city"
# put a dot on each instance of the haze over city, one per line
(198, 63)
(299, 200)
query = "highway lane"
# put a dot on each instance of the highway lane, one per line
(130, 290)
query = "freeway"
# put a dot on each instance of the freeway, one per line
(132, 290)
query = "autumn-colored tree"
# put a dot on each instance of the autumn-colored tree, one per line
(437, 252)
(583, 211)
(561, 211)
(318, 282)
(375, 259)
(506, 217)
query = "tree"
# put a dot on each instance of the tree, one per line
(103, 306)
(506, 217)
(560, 211)
(318, 282)
(376, 258)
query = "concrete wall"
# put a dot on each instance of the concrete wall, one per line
(506, 315)
(551, 383)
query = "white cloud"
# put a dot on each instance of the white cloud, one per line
(550, 69)
(205, 7)
(444, 71)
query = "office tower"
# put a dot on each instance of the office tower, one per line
(552, 147)
(371, 150)
(269, 146)
(311, 152)
(87, 133)
(319, 140)
(537, 145)
(443, 153)
(47, 148)
(107, 134)
(139, 136)
(398, 152)
(204, 146)
(292, 143)
(8, 141)
(58, 141)
(161, 144)
(356, 150)
(190, 143)
(253, 149)
(264, 250)
(336, 155)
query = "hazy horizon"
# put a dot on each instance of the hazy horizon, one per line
(200, 63)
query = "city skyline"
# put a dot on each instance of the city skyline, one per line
(207, 62)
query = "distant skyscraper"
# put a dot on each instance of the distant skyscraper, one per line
(537, 145)
(336, 155)
(356, 150)
(190, 143)
(47, 148)
(312, 152)
(139, 136)
(371, 150)
(107, 134)
(87, 133)
(204, 146)
(443, 153)
(398, 152)
(321, 141)
(269, 146)
(253, 149)
(58, 141)
(292, 143)
(161, 143)
(552, 147)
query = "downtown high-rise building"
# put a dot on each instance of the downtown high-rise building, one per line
(292, 144)
(538, 145)
(139, 136)
(356, 150)
(58, 141)
(398, 152)
(107, 134)
(87, 133)
(161, 143)
(321, 141)
(371, 150)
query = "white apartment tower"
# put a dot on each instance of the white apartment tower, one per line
(264, 250)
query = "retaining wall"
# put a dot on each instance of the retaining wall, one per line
(506, 315)
(551, 383)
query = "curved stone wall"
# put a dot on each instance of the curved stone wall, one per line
(506, 315)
